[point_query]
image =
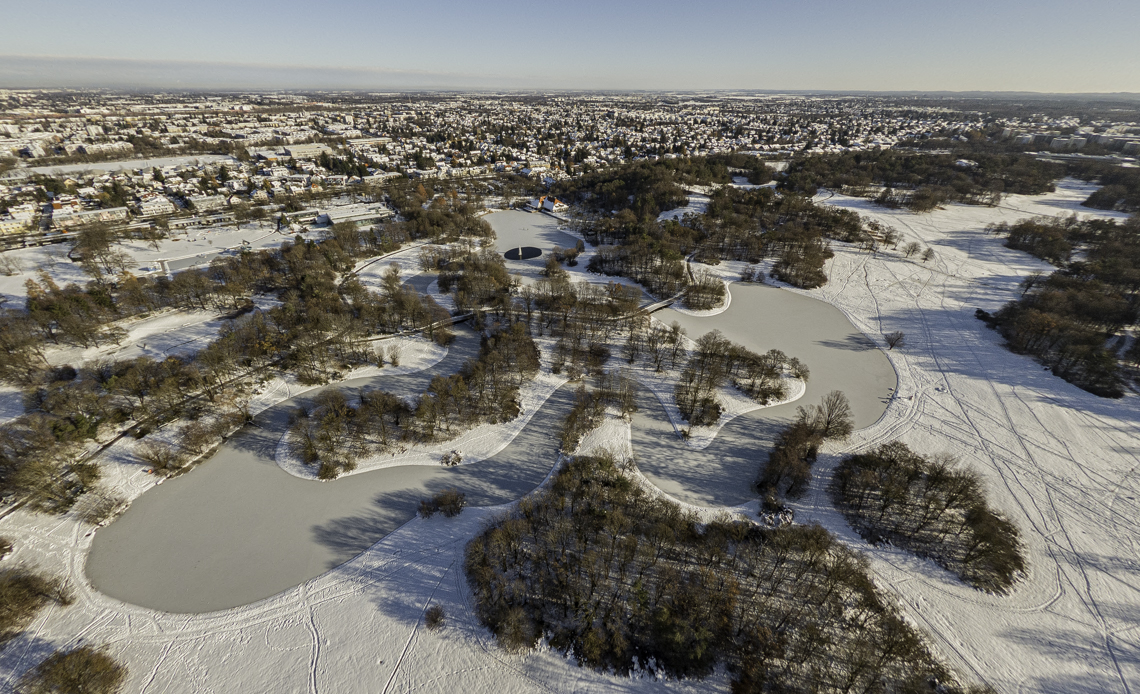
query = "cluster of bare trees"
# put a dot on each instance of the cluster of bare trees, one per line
(716, 361)
(580, 311)
(705, 291)
(194, 439)
(788, 468)
(615, 390)
(84, 669)
(23, 594)
(335, 432)
(478, 275)
(567, 255)
(656, 343)
(623, 579)
(931, 506)
(645, 262)
(39, 460)
(449, 503)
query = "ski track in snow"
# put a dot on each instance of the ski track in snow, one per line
(1061, 463)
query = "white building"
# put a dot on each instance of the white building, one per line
(205, 203)
(155, 206)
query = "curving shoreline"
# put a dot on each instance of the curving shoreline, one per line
(240, 529)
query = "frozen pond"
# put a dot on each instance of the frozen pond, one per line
(514, 228)
(762, 318)
(238, 528)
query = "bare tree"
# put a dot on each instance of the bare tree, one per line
(895, 339)
(1031, 281)
(434, 617)
(911, 248)
(831, 419)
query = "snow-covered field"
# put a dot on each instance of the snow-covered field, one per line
(158, 336)
(1061, 463)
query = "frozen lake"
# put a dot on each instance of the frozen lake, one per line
(239, 528)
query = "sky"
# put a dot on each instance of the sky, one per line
(838, 45)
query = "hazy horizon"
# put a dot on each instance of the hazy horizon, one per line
(878, 46)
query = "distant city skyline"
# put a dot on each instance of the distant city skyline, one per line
(882, 45)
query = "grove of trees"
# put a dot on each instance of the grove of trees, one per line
(1070, 319)
(788, 467)
(717, 361)
(931, 506)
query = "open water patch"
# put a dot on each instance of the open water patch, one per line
(523, 253)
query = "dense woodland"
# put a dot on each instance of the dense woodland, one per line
(931, 506)
(625, 580)
(1071, 320)
(921, 180)
(748, 225)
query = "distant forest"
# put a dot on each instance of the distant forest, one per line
(935, 172)
(922, 181)
(740, 224)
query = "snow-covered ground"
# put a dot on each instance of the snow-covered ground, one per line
(158, 336)
(416, 354)
(1061, 463)
(698, 203)
(193, 247)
